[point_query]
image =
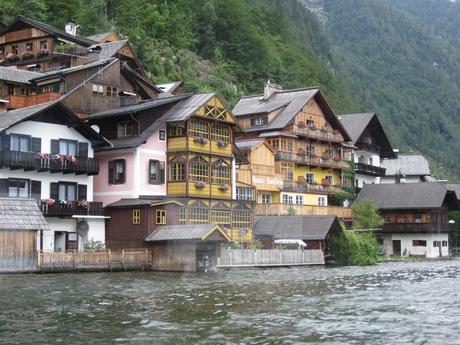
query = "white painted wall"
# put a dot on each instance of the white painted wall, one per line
(407, 179)
(366, 158)
(406, 244)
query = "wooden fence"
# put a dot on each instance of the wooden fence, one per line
(96, 260)
(264, 257)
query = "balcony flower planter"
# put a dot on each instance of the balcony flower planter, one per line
(325, 182)
(43, 52)
(71, 159)
(12, 57)
(48, 202)
(223, 188)
(222, 144)
(83, 204)
(27, 55)
(301, 124)
(336, 132)
(337, 159)
(200, 140)
(200, 185)
(324, 130)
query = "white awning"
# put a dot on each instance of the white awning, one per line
(299, 242)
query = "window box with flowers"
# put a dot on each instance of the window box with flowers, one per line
(301, 124)
(200, 140)
(325, 182)
(222, 144)
(12, 57)
(83, 204)
(200, 184)
(223, 188)
(27, 55)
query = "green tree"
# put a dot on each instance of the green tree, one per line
(366, 215)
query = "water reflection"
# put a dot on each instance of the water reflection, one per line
(392, 303)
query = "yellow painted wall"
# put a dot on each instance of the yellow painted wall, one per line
(308, 199)
(275, 196)
(319, 173)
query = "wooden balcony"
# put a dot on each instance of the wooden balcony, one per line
(304, 187)
(29, 161)
(302, 210)
(71, 208)
(16, 102)
(371, 170)
(304, 159)
(317, 134)
(417, 228)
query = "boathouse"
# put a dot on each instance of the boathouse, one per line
(20, 220)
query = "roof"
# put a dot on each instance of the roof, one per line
(424, 195)
(290, 102)
(357, 124)
(185, 232)
(186, 108)
(406, 165)
(455, 188)
(100, 36)
(17, 75)
(21, 214)
(170, 87)
(141, 202)
(51, 30)
(295, 227)
(12, 117)
(109, 49)
(73, 69)
(246, 145)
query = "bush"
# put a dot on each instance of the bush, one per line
(355, 248)
(93, 245)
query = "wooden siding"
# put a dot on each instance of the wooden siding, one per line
(174, 256)
(27, 101)
(18, 250)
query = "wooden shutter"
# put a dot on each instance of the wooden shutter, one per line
(54, 147)
(54, 190)
(82, 194)
(36, 189)
(36, 144)
(83, 149)
(6, 142)
(111, 172)
(162, 172)
(3, 187)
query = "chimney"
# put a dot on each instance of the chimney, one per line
(72, 29)
(93, 54)
(270, 88)
(127, 98)
(396, 152)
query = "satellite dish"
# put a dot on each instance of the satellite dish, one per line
(82, 228)
(96, 128)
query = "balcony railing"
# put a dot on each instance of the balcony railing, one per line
(318, 134)
(304, 187)
(70, 208)
(302, 210)
(16, 102)
(369, 147)
(54, 163)
(367, 169)
(417, 227)
(304, 159)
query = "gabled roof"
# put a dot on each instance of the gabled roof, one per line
(21, 214)
(406, 165)
(109, 49)
(20, 21)
(13, 117)
(170, 87)
(17, 75)
(198, 232)
(357, 124)
(424, 195)
(290, 102)
(64, 71)
(295, 227)
(247, 145)
(101, 36)
(142, 202)
(454, 188)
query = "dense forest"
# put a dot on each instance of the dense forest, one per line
(396, 57)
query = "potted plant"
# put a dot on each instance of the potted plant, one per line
(200, 184)
(222, 143)
(223, 187)
(83, 204)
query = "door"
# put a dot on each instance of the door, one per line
(397, 247)
(205, 258)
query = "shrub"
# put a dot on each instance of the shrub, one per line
(93, 245)
(355, 248)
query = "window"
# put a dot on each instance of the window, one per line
(2, 50)
(18, 188)
(286, 145)
(198, 128)
(30, 46)
(220, 217)
(111, 91)
(125, 129)
(162, 135)
(161, 217)
(241, 219)
(174, 131)
(15, 49)
(44, 45)
(287, 199)
(97, 89)
(67, 147)
(436, 243)
(199, 172)
(259, 121)
(117, 169)
(156, 172)
(330, 179)
(444, 243)
(67, 191)
(310, 150)
(310, 177)
(221, 173)
(275, 144)
(182, 219)
(371, 161)
(177, 172)
(198, 215)
(287, 171)
(244, 193)
(266, 198)
(19, 143)
(419, 243)
(321, 201)
(136, 216)
(310, 123)
(220, 132)
(418, 218)
(299, 199)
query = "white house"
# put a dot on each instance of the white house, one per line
(406, 168)
(47, 154)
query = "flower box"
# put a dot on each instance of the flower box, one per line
(200, 140)
(27, 55)
(200, 184)
(301, 124)
(223, 187)
(12, 57)
(222, 144)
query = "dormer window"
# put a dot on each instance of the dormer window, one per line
(259, 121)
(125, 129)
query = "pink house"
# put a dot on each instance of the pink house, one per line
(135, 164)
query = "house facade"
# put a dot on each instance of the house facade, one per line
(307, 139)
(371, 147)
(48, 155)
(416, 217)
(406, 168)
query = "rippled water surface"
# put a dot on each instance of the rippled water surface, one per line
(391, 303)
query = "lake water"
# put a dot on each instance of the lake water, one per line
(391, 303)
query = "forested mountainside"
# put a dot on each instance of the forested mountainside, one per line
(404, 57)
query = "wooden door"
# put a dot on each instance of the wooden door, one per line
(397, 247)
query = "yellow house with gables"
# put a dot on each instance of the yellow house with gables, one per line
(307, 139)
(201, 167)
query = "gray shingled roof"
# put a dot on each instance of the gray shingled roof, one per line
(355, 124)
(21, 214)
(17, 75)
(424, 195)
(246, 145)
(455, 188)
(140, 202)
(294, 227)
(98, 37)
(109, 49)
(73, 69)
(180, 232)
(10, 118)
(183, 110)
(407, 165)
